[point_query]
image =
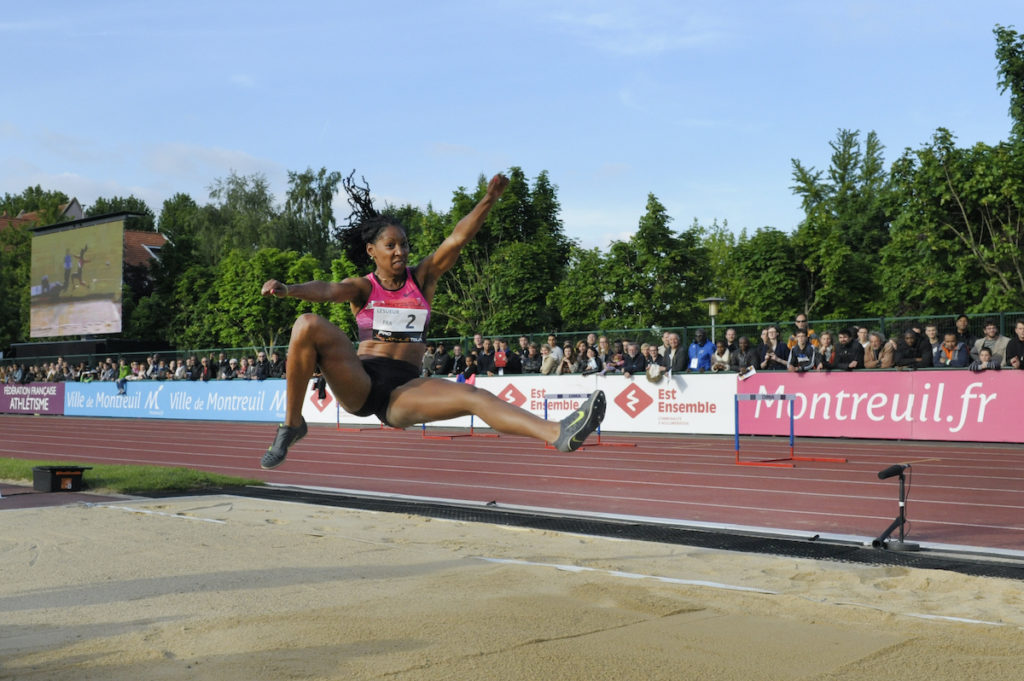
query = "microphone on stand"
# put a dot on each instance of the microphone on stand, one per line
(895, 469)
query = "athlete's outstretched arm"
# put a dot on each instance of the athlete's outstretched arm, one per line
(346, 291)
(443, 259)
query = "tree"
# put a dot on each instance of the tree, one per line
(768, 265)
(310, 211)
(145, 221)
(845, 226)
(15, 265)
(656, 278)
(959, 230)
(579, 297)
(244, 317)
(1010, 55)
(35, 199)
(244, 216)
(502, 279)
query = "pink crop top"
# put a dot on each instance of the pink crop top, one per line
(400, 316)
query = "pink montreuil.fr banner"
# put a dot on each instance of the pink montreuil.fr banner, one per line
(913, 405)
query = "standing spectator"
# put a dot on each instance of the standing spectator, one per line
(863, 337)
(458, 361)
(802, 356)
(205, 370)
(879, 353)
(701, 349)
(443, 362)
(676, 357)
(992, 340)
(277, 365)
(986, 360)
(1015, 348)
(827, 351)
(478, 346)
(745, 356)
(730, 340)
(548, 363)
(228, 371)
(513, 361)
(262, 367)
(633, 363)
(533, 360)
(591, 363)
(567, 364)
(721, 357)
(963, 331)
(604, 349)
(471, 369)
(952, 353)
(774, 353)
(427, 364)
(485, 359)
(556, 351)
(800, 322)
(849, 353)
(931, 332)
(913, 352)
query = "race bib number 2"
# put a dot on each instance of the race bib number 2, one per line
(399, 323)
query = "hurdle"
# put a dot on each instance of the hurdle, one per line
(581, 396)
(355, 429)
(775, 463)
(451, 436)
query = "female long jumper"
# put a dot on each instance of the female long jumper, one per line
(392, 308)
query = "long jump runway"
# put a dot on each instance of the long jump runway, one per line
(960, 494)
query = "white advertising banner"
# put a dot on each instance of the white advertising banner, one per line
(688, 403)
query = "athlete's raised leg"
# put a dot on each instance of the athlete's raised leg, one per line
(425, 400)
(315, 341)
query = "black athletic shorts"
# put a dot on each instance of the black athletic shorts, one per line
(386, 374)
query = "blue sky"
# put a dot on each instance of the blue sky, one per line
(702, 103)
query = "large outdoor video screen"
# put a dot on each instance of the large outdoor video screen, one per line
(76, 280)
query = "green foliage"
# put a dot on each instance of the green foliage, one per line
(244, 317)
(34, 199)
(579, 298)
(502, 279)
(309, 212)
(768, 266)
(1010, 55)
(656, 278)
(845, 227)
(15, 264)
(959, 228)
(145, 222)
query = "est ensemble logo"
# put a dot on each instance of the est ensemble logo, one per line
(633, 400)
(315, 400)
(512, 395)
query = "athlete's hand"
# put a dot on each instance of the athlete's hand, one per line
(275, 288)
(496, 187)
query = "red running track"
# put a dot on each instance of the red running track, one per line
(965, 494)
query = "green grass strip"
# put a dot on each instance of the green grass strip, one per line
(130, 479)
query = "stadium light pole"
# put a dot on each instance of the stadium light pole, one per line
(713, 304)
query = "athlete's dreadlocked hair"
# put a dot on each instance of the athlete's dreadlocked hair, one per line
(364, 222)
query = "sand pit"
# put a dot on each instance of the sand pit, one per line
(233, 588)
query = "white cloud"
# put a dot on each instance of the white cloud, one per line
(648, 30)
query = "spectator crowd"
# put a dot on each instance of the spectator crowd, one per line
(799, 349)
(153, 367)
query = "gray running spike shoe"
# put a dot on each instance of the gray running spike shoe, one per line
(581, 423)
(286, 437)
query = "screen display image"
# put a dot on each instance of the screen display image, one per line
(76, 280)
